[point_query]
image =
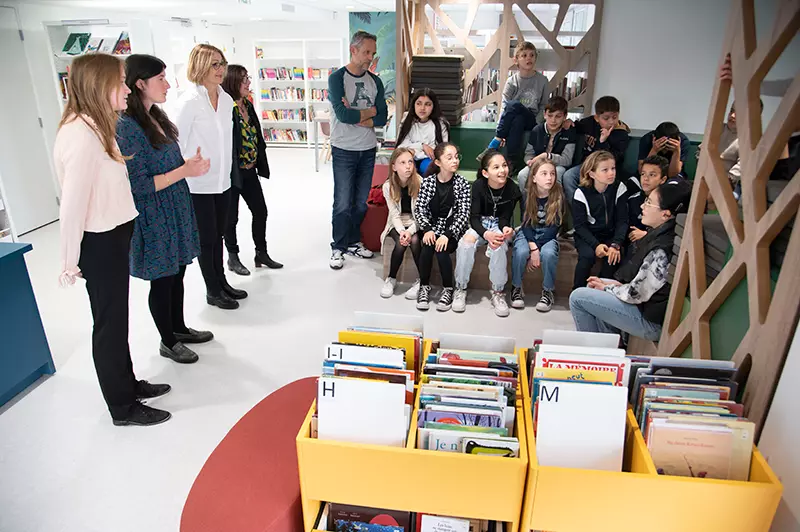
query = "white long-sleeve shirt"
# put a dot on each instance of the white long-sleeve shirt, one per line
(199, 125)
(423, 133)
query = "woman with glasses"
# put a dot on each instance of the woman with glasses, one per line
(205, 128)
(249, 162)
(635, 302)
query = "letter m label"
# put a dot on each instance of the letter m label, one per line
(545, 396)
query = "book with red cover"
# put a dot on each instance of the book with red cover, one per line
(373, 516)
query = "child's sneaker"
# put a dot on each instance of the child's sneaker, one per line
(359, 250)
(337, 259)
(445, 300)
(517, 297)
(546, 301)
(388, 288)
(411, 293)
(499, 303)
(460, 300)
(424, 297)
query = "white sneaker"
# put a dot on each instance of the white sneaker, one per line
(388, 288)
(412, 292)
(517, 298)
(460, 300)
(359, 250)
(337, 259)
(424, 298)
(445, 300)
(499, 304)
(546, 301)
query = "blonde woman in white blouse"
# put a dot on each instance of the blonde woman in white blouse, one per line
(204, 117)
(97, 213)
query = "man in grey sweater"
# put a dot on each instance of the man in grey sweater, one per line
(359, 106)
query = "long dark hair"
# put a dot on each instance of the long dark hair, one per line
(144, 67)
(436, 116)
(232, 83)
(438, 151)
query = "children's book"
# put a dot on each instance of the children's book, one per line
(123, 46)
(368, 519)
(683, 450)
(385, 356)
(459, 418)
(433, 523)
(76, 43)
(508, 447)
(107, 46)
(94, 44)
(500, 431)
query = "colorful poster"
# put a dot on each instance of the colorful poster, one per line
(383, 25)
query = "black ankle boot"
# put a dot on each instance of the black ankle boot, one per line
(236, 266)
(263, 259)
(232, 292)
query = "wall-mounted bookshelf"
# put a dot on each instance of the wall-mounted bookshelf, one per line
(291, 85)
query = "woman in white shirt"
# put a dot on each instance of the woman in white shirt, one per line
(423, 128)
(204, 117)
(97, 217)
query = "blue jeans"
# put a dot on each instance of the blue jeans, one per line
(521, 254)
(498, 258)
(422, 165)
(514, 122)
(570, 182)
(352, 179)
(599, 311)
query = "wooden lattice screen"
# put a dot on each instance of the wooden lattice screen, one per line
(773, 317)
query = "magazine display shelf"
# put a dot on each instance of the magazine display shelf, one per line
(409, 479)
(566, 500)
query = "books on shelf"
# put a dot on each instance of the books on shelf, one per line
(63, 84)
(123, 45)
(335, 517)
(259, 52)
(94, 44)
(76, 43)
(277, 115)
(319, 95)
(288, 94)
(281, 74)
(80, 43)
(107, 46)
(285, 135)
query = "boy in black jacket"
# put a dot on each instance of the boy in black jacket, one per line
(601, 131)
(653, 173)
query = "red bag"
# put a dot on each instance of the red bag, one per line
(376, 196)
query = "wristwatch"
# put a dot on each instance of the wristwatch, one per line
(615, 246)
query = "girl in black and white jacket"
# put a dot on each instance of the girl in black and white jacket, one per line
(442, 216)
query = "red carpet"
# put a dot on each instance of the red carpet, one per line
(250, 482)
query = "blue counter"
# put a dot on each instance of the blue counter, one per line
(24, 352)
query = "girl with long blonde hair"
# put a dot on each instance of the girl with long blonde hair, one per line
(536, 244)
(401, 190)
(97, 218)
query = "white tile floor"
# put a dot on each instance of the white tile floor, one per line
(65, 467)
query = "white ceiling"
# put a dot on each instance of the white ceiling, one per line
(224, 10)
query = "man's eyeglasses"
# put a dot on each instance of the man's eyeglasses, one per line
(216, 65)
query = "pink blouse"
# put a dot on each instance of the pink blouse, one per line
(95, 191)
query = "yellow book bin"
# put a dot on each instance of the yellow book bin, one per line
(409, 479)
(559, 499)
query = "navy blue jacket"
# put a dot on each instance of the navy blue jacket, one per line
(601, 218)
(616, 143)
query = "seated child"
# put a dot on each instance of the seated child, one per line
(536, 244)
(601, 131)
(523, 97)
(667, 141)
(423, 128)
(549, 141)
(442, 216)
(600, 212)
(652, 174)
(635, 302)
(400, 191)
(494, 198)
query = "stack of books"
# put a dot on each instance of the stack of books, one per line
(320, 73)
(319, 95)
(287, 94)
(689, 417)
(275, 115)
(336, 517)
(285, 135)
(445, 75)
(579, 389)
(281, 73)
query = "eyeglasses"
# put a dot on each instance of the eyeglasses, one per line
(248, 79)
(450, 158)
(217, 65)
(649, 203)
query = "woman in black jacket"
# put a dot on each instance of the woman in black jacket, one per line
(249, 162)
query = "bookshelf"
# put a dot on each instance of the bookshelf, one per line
(291, 86)
(58, 33)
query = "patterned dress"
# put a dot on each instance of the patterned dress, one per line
(165, 233)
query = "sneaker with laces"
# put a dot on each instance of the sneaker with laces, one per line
(546, 301)
(460, 300)
(517, 297)
(143, 416)
(445, 300)
(499, 303)
(412, 292)
(337, 259)
(359, 250)
(388, 288)
(424, 297)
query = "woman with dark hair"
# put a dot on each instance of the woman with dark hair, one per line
(423, 128)
(249, 162)
(636, 301)
(165, 235)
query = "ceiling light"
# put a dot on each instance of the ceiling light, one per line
(256, 18)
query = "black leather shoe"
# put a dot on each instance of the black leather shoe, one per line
(236, 266)
(263, 259)
(143, 416)
(145, 390)
(179, 353)
(194, 337)
(232, 292)
(222, 301)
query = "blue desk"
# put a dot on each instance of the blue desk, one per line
(24, 353)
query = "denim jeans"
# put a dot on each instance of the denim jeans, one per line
(519, 261)
(599, 311)
(522, 180)
(498, 258)
(352, 179)
(422, 165)
(570, 182)
(514, 122)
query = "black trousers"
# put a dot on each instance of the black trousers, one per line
(166, 306)
(253, 195)
(399, 252)
(443, 258)
(104, 265)
(211, 211)
(586, 261)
